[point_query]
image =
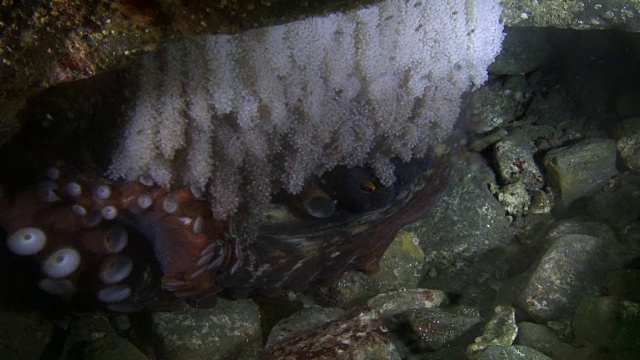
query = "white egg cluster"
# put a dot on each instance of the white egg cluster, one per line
(267, 108)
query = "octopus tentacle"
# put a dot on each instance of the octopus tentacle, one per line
(80, 229)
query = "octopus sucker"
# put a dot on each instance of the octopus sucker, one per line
(59, 287)
(27, 241)
(115, 268)
(61, 263)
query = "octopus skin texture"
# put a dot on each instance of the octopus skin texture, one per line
(134, 245)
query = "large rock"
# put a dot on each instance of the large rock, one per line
(400, 268)
(628, 143)
(610, 323)
(536, 336)
(571, 268)
(92, 337)
(467, 221)
(501, 330)
(24, 335)
(229, 330)
(305, 319)
(514, 157)
(436, 328)
(359, 334)
(578, 170)
(514, 352)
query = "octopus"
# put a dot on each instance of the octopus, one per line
(133, 245)
(85, 235)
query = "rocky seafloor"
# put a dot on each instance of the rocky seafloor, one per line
(533, 252)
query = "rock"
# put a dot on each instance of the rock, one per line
(618, 203)
(523, 51)
(578, 170)
(438, 327)
(467, 221)
(231, 329)
(609, 323)
(493, 106)
(627, 104)
(515, 198)
(305, 319)
(624, 284)
(568, 352)
(628, 143)
(93, 338)
(603, 14)
(359, 334)
(112, 347)
(536, 336)
(513, 156)
(541, 202)
(488, 139)
(579, 226)
(400, 268)
(501, 329)
(569, 270)
(24, 335)
(395, 302)
(499, 352)
(401, 265)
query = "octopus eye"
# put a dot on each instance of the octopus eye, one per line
(368, 186)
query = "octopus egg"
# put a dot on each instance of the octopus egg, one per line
(103, 192)
(116, 239)
(27, 241)
(115, 268)
(61, 263)
(113, 294)
(56, 286)
(109, 212)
